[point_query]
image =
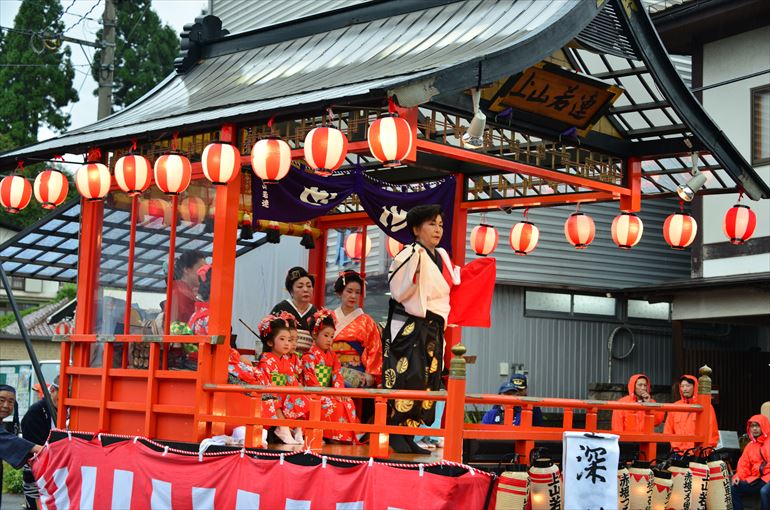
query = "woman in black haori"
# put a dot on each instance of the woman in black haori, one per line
(421, 277)
(300, 284)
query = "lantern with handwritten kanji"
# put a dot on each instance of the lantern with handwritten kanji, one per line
(193, 210)
(271, 159)
(579, 229)
(739, 223)
(700, 482)
(544, 485)
(641, 485)
(221, 162)
(661, 491)
(93, 181)
(483, 239)
(513, 490)
(524, 237)
(325, 149)
(394, 247)
(679, 230)
(173, 173)
(719, 491)
(133, 174)
(357, 244)
(15, 193)
(681, 486)
(390, 139)
(51, 188)
(627, 230)
(624, 488)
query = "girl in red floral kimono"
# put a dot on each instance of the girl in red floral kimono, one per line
(320, 367)
(281, 367)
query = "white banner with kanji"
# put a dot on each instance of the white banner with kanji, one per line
(590, 462)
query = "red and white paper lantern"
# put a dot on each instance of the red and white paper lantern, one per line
(579, 229)
(524, 237)
(394, 247)
(739, 223)
(51, 188)
(271, 159)
(679, 230)
(390, 139)
(93, 181)
(155, 208)
(627, 230)
(133, 174)
(173, 173)
(193, 210)
(15, 193)
(325, 149)
(221, 162)
(357, 244)
(483, 239)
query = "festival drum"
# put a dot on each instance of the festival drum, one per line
(719, 495)
(544, 485)
(624, 488)
(641, 485)
(700, 485)
(662, 490)
(512, 491)
(681, 486)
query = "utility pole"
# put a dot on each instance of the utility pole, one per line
(106, 66)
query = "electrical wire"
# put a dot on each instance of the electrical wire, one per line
(83, 17)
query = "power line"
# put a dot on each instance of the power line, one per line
(80, 20)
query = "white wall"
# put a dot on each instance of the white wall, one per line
(730, 107)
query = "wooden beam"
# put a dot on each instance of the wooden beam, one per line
(544, 200)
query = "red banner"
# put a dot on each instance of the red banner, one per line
(75, 473)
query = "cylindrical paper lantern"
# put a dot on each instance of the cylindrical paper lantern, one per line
(719, 491)
(221, 162)
(681, 484)
(355, 243)
(133, 174)
(193, 210)
(155, 208)
(271, 159)
(15, 193)
(544, 485)
(394, 247)
(641, 486)
(579, 229)
(524, 237)
(627, 230)
(624, 488)
(679, 230)
(51, 188)
(390, 139)
(662, 490)
(700, 485)
(325, 149)
(483, 239)
(739, 223)
(93, 181)
(173, 173)
(512, 491)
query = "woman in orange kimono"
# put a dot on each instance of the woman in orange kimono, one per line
(320, 367)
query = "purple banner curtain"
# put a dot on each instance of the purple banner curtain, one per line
(301, 196)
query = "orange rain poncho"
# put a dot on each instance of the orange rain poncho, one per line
(633, 421)
(683, 424)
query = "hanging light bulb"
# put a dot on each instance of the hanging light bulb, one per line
(473, 138)
(688, 190)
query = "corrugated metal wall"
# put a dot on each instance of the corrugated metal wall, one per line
(602, 264)
(562, 355)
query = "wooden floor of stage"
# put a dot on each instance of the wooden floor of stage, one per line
(362, 450)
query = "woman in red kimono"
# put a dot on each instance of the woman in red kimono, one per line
(356, 337)
(320, 367)
(281, 367)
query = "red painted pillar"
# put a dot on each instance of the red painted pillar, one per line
(633, 181)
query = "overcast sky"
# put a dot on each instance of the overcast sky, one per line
(175, 13)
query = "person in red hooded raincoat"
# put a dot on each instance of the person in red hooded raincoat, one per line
(633, 421)
(753, 473)
(683, 424)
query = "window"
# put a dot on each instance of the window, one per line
(17, 283)
(638, 309)
(569, 304)
(760, 125)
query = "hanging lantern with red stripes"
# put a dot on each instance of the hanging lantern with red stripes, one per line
(133, 174)
(524, 237)
(483, 239)
(193, 210)
(357, 244)
(390, 139)
(155, 208)
(221, 162)
(394, 247)
(325, 149)
(579, 229)
(51, 188)
(627, 230)
(739, 223)
(15, 193)
(679, 230)
(271, 159)
(173, 173)
(93, 181)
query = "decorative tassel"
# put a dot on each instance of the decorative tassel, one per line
(247, 233)
(307, 239)
(273, 234)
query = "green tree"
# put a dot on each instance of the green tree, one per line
(145, 50)
(36, 80)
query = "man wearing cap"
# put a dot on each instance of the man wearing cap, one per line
(517, 387)
(36, 427)
(13, 449)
